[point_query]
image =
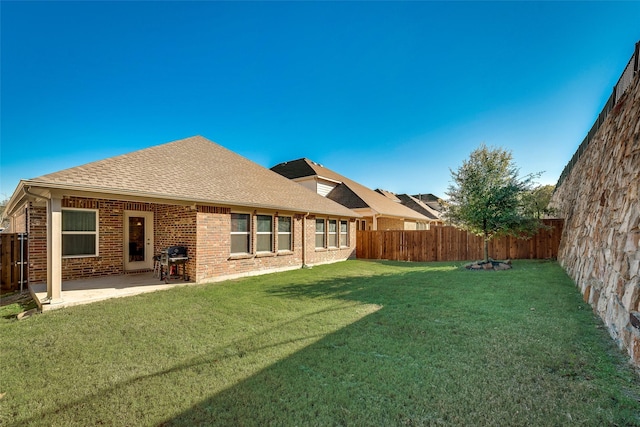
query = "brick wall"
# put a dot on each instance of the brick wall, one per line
(176, 226)
(110, 242)
(173, 225)
(37, 235)
(390, 224)
(327, 255)
(18, 223)
(215, 261)
(204, 230)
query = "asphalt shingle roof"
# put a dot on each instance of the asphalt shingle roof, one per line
(418, 206)
(304, 167)
(193, 169)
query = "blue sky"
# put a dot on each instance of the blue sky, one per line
(390, 94)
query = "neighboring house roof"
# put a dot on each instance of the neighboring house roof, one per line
(388, 194)
(419, 206)
(349, 193)
(430, 200)
(346, 197)
(412, 203)
(194, 170)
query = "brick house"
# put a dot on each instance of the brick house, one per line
(236, 218)
(378, 212)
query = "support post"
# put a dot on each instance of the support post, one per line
(54, 250)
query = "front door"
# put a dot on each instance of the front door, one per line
(138, 240)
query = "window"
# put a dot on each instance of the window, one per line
(284, 233)
(264, 234)
(333, 233)
(344, 234)
(320, 233)
(79, 232)
(240, 233)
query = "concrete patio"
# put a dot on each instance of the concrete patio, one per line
(86, 291)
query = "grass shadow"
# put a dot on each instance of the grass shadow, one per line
(444, 347)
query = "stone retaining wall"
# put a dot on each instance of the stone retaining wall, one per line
(600, 242)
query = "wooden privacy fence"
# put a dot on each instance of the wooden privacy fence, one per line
(452, 244)
(13, 255)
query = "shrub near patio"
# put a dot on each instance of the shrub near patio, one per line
(354, 343)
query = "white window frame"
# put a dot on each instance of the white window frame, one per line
(264, 233)
(344, 242)
(332, 235)
(95, 233)
(322, 233)
(287, 235)
(244, 233)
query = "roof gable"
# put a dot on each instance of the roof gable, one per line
(419, 206)
(294, 169)
(388, 194)
(346, 197)
(430, 200)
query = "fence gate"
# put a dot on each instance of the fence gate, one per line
(13, 268)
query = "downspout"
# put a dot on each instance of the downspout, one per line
(304, 240)
(22, 260)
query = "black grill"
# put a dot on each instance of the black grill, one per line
(170, 258)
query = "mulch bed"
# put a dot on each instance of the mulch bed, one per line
(489, 265)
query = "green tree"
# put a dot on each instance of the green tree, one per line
(537, 201)
(487, 197)
(3, 204)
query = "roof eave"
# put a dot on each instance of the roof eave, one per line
(14, 201)
(168, 197)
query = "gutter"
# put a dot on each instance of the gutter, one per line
(304, 240)
(142, 194)
(27, 191)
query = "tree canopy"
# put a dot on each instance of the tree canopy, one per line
(488, 198)
(537, 201)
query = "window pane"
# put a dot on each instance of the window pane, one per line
(284, 233)
(284, 242)
(344, 233)
(333, 240)
(240, 222)
(136, 238)
(319, 240)
(239, 243)
(319, 225)
(263, 242)
(78, 220)
(284, 224)
(264, 223)
(78, 244)
(332, 226)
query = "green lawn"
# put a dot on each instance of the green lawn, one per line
(355, 343)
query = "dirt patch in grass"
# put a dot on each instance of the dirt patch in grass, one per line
(11, 305)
